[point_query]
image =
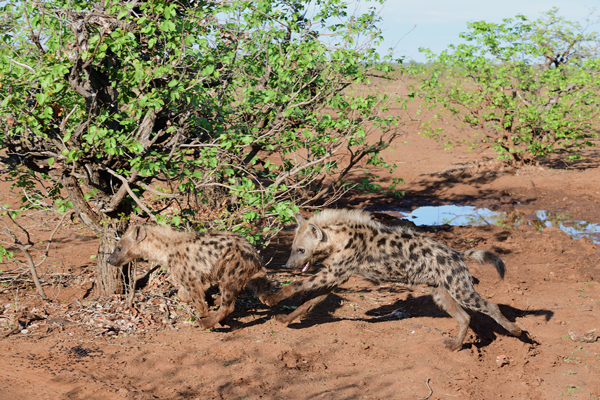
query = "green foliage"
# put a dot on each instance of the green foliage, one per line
(228, 115)
(528, 88)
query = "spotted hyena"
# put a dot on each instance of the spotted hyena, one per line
(349, 242)
(196, 260)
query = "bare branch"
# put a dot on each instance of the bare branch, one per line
(25, 249)
(130, 192)
(150, 189)
(32, 269)
(21, 65)
(58, 225)
(63, 124)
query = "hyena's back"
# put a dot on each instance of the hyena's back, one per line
(350, 242)
(382, 253)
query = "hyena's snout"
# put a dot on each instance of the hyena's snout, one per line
(296, 264)
(117, 257)
(112, 260)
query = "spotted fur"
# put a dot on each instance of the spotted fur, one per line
(196, 260)
(349, 242)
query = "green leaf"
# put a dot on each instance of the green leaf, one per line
(208, 70)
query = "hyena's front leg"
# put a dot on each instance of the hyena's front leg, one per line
(320, 284)
(316, 281)
(288, 291)
(312, 300)
(194, 294)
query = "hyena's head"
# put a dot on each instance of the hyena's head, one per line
(307, 246)
(128, 247)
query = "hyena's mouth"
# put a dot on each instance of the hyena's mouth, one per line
(305, 267)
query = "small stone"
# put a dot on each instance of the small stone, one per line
(588, 337)
(502, 360)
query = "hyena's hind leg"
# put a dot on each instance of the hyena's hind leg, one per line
(229, 292)
(443, 299)
(477, 303)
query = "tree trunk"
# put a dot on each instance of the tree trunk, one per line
(109, 279)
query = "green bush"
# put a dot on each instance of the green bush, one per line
(226, 115)
(529, 89)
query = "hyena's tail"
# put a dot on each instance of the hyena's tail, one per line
(260, 284)
(486, 257)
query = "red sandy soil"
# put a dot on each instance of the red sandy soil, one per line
(365, 341)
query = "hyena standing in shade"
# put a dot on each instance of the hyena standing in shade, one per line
(349, 242)
(196, 260)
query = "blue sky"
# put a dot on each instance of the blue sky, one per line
(439, 22)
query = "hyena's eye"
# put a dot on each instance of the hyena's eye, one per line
(118, 249)
(301, 251)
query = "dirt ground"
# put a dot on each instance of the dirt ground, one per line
(365, 341)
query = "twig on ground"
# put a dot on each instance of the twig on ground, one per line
(430, 391)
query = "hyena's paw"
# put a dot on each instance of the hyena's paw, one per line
(284, 319)
(452, 344)
(269, 299)
(204, 324)
(263, 299)
(208, 323)
(516, 330)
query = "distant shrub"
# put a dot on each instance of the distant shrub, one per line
(529, 88)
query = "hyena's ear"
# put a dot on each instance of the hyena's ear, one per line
(299, 218)
(139, 233)
(316, 232)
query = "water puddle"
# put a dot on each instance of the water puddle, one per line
(471, 216)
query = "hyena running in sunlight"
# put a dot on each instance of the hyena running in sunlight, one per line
(349, 242)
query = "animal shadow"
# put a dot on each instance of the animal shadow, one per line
(485, 328)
